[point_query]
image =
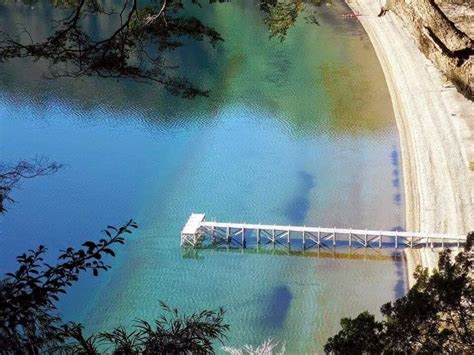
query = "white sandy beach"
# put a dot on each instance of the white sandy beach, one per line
(436, 126)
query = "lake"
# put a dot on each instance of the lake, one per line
(297, 132)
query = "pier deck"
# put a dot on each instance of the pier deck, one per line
(190, 231)
(198, 231)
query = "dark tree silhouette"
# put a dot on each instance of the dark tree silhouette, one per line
(280, 16)
(134, 50)
(30, 322)
(137, 48)
(11, 176)
(172, 333)
(436, 316)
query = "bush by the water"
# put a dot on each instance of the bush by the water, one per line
(436, 316)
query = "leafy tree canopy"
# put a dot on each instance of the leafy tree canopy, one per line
(172, 333)
(137, 47)
(30, 321)
(436, 316)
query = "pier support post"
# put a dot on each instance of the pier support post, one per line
(304, 239)
(198, 233)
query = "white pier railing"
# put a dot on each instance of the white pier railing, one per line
(198, 232)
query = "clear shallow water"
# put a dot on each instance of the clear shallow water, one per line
(297, 132)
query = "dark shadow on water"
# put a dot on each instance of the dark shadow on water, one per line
(277, 305)
(401, 287)
(307, 180)
(397, 198)
(396, 176)
(297, 208)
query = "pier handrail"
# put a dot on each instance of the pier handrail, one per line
(197, 229)
(332, 230)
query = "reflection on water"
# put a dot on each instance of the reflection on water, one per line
(342, 81)
(297, 208)
(277, 305)
(299, 132)
(355, 253)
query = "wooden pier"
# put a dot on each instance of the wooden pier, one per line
(199, 232)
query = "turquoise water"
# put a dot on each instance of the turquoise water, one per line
(299, 132)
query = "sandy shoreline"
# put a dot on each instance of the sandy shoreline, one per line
(435, 126)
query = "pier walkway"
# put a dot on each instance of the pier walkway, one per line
(199, 232)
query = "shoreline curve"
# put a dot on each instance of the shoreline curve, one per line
(435, 125)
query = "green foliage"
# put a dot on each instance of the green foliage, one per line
(172, 333)
(357, 336)
(176, 334)
(138, 47)
(437, 314)
(29, 321)
(135, 49)
(282, 16)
